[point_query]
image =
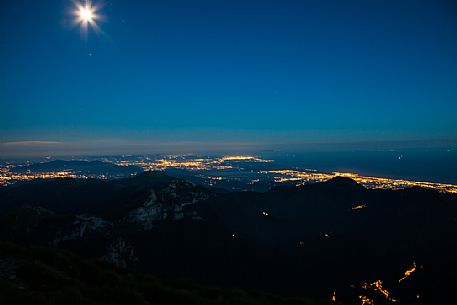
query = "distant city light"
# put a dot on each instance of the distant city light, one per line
(216, 169)
(359, 207)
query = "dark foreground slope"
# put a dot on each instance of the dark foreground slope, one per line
(47, 276)
(303, 241)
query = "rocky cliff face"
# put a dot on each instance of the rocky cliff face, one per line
(86, 224)
(151, 212)
(120, 253)
(175, 202)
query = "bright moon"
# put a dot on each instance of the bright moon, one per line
(86, 15)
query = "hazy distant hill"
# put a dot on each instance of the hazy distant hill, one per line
(309, 241)
(82, 167)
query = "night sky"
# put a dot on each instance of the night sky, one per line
(205, 73)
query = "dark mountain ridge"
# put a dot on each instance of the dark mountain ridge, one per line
(308, 240)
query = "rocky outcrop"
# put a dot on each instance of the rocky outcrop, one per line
(84, 225)
(151, 212)
(8, 268)
(175, 202)
(120, 253)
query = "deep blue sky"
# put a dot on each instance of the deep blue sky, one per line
(236, 72)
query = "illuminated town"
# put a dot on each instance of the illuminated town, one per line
(376, 288)
(303, 177)
(236, 172)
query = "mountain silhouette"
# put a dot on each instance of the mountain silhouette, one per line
(308, 241)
